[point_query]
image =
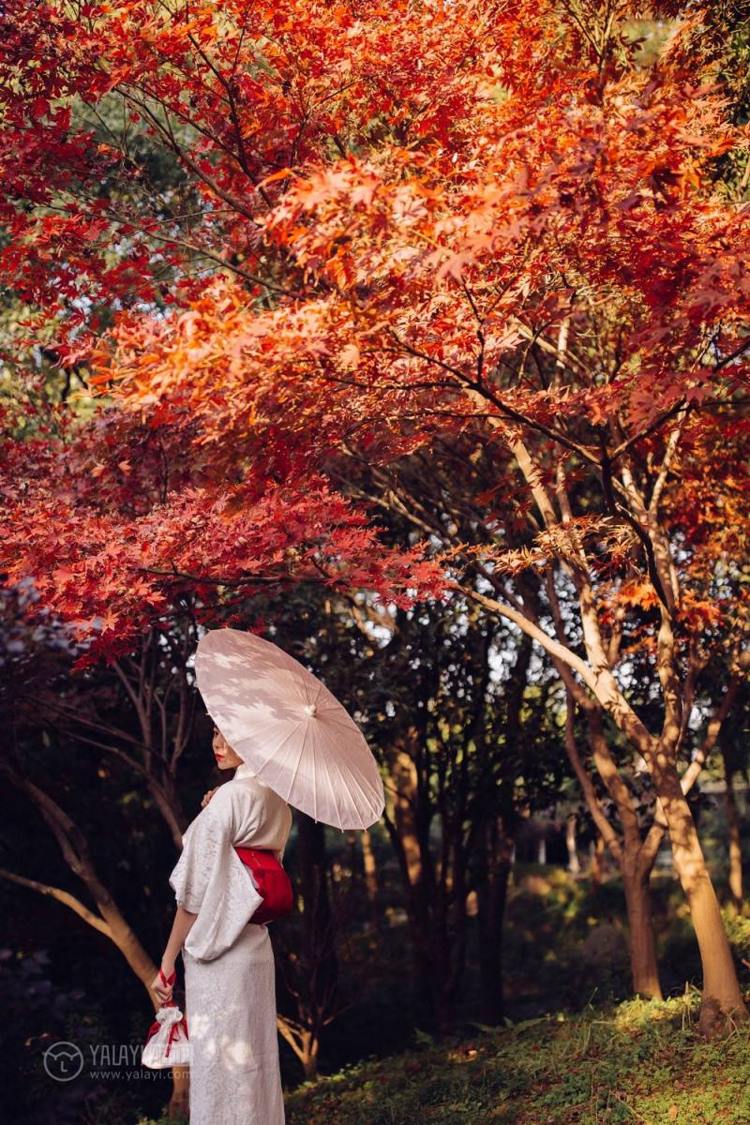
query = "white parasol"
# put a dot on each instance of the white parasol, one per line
(288, 727)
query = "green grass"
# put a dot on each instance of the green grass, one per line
(638, 1062)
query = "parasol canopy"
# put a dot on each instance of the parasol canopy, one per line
(289, 728)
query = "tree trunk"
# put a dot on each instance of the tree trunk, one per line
(167, 802)
(596, 872)
(304, 1043)
(371, 877)
(404, 833)
(418, 913)
(311, 975)
(310, 1059)
(129, 945)
(634, 857)
(318, 922)
(735, 843)
(574, 863)
(455, 939)
(492, 895)
(404, 775)
(643, 963)
(722, 1001)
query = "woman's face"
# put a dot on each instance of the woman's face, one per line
(226, 759)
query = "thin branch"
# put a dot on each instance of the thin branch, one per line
(62, 896)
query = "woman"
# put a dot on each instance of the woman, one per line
(229, 965)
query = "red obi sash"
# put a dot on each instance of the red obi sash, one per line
(272, 881)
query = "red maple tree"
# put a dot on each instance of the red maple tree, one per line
(490, 227)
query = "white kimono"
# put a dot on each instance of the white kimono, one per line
(230, 983)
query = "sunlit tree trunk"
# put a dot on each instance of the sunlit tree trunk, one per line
(304, 1043)
(596, 863)
(634, 857)
(404, 776)
(571, 843)
(722, 997)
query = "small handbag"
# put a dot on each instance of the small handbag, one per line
(167, 1041)
(272, 883)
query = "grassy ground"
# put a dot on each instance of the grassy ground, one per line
(637, 1062)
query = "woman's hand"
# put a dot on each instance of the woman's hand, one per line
(207, 797)
(163, 983)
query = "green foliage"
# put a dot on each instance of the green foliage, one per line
(650, 35)
(636, 1062)
(738, 932)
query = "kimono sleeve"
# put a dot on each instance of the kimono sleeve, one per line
(210, 879)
